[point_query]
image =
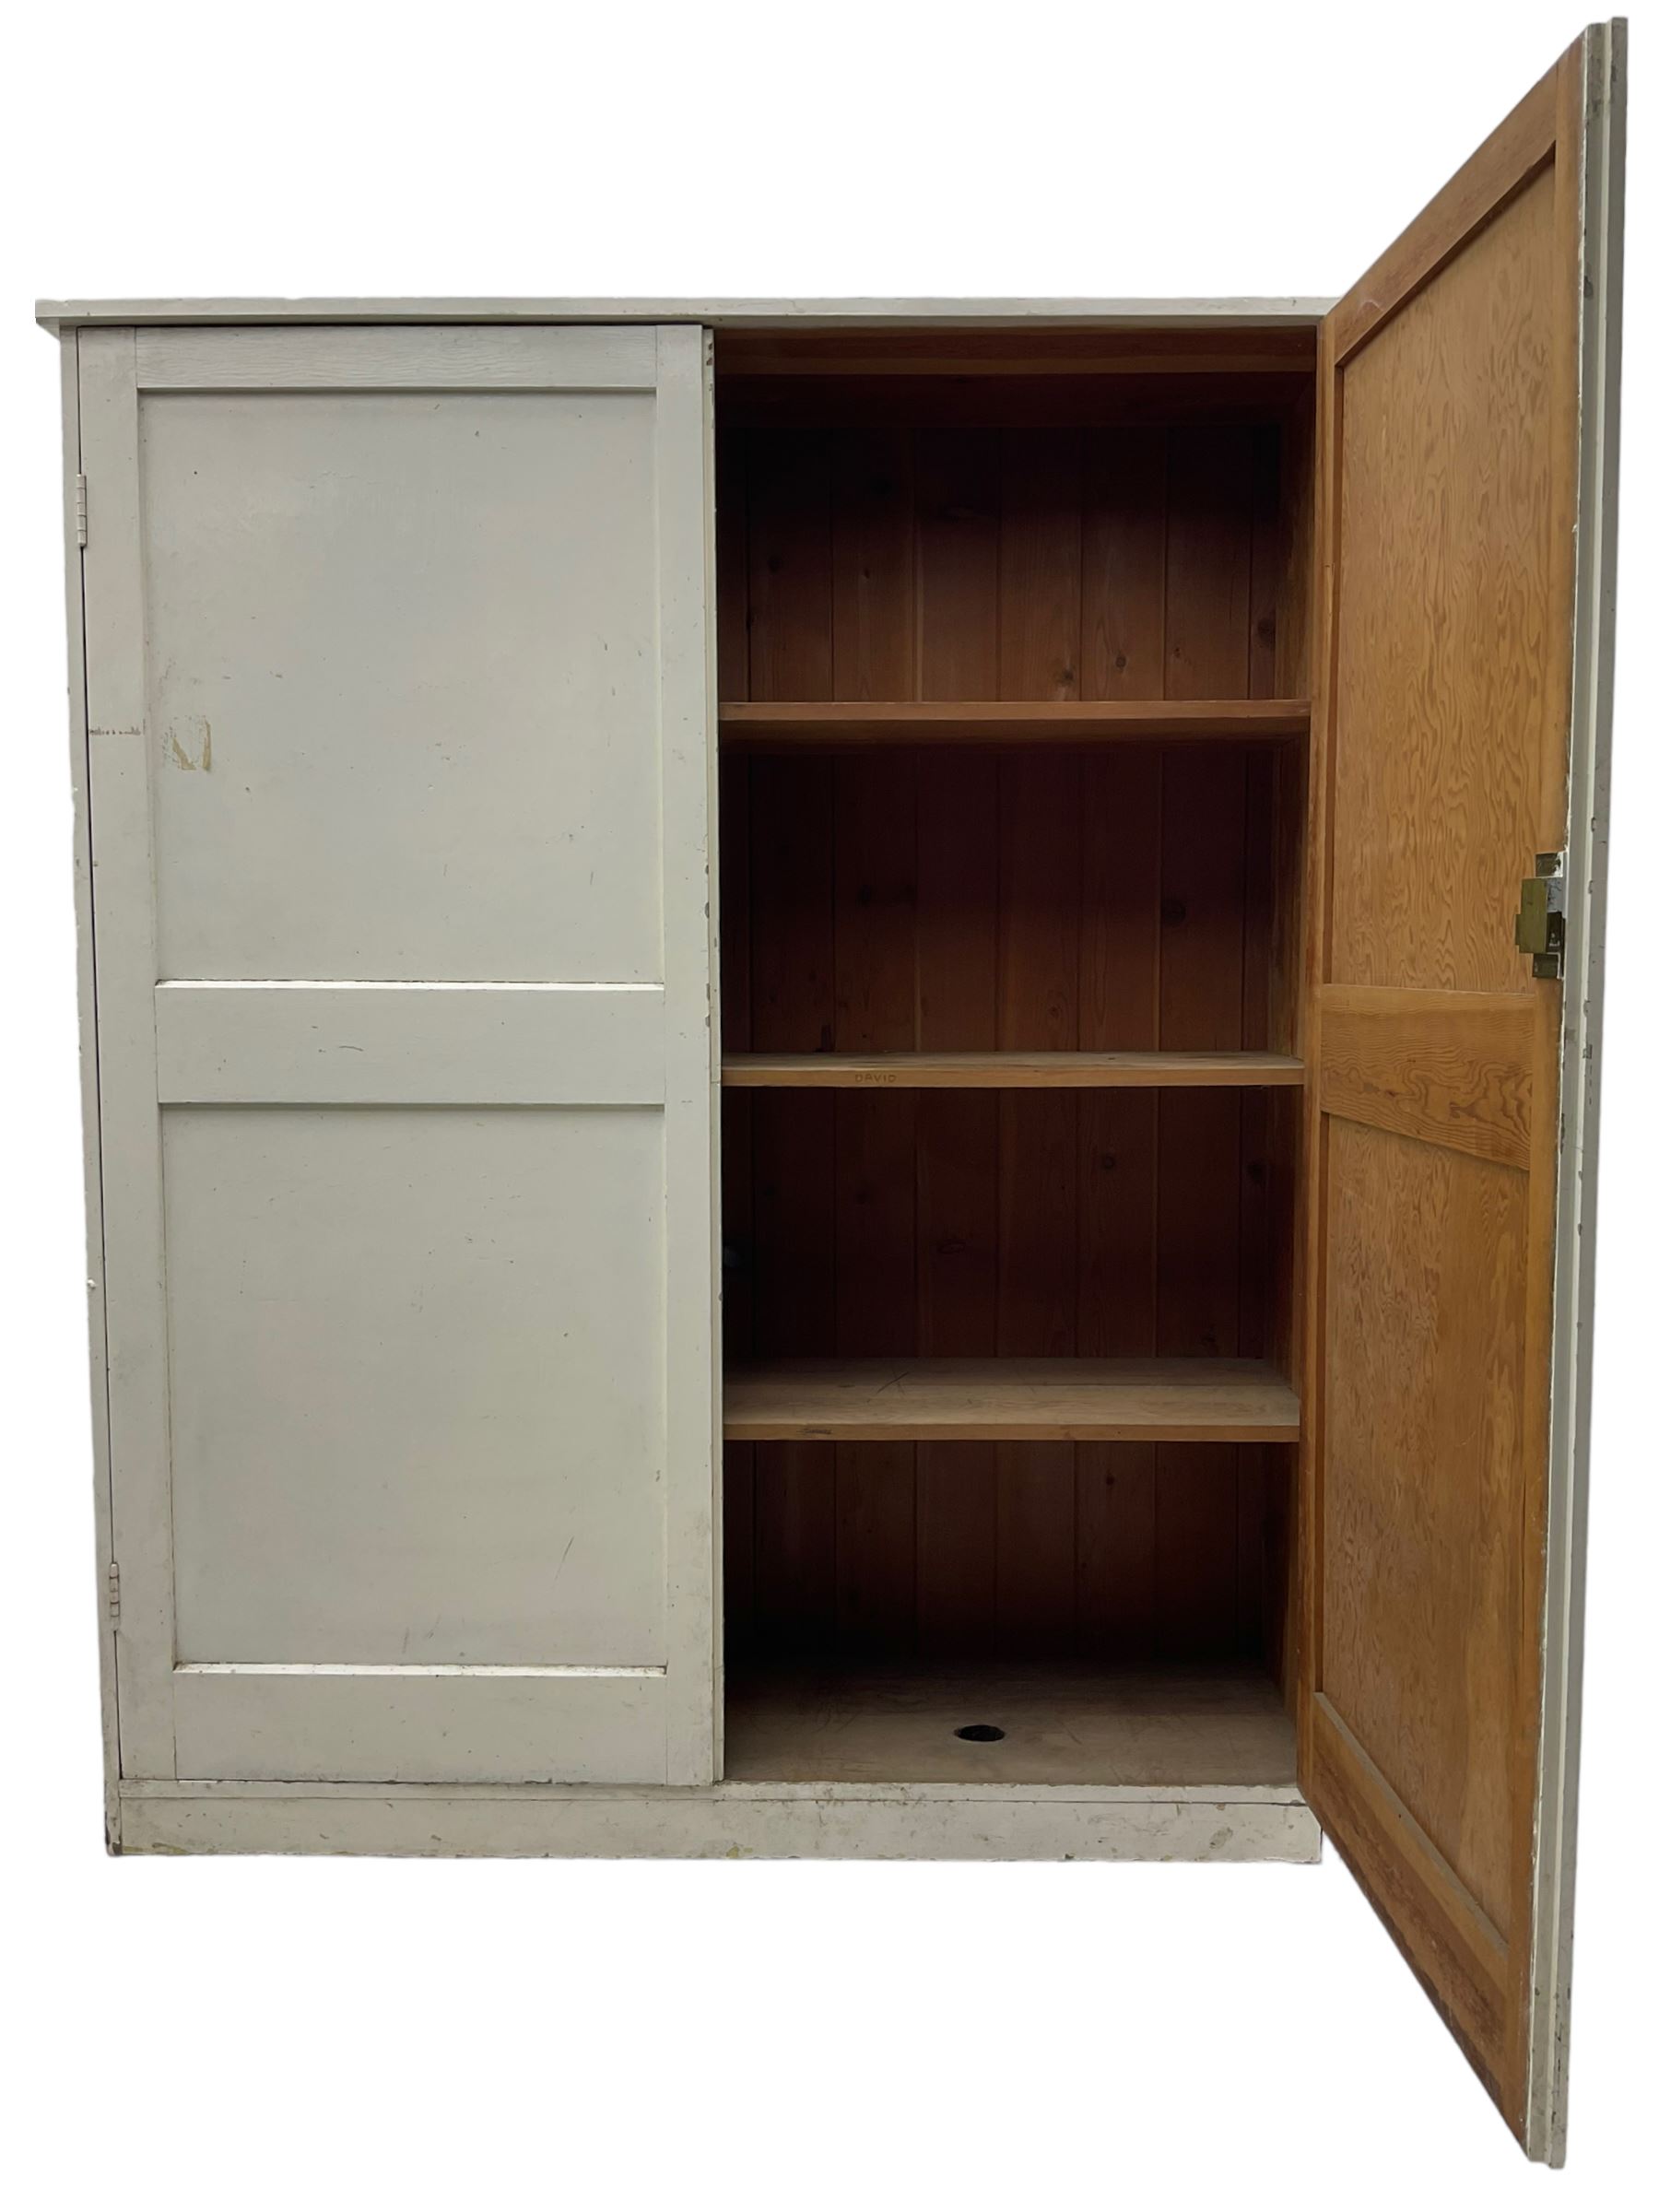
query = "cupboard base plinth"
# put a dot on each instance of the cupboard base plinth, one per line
(776, 1820)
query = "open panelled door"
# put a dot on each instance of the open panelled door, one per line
(1466, 455)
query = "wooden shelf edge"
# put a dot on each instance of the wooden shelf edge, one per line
(1010, 1071)
(1007, 721)
(1009, 1401)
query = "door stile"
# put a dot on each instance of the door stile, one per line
(1549, 1042)
(686, 552)
(86, 992)
(1327, 406)
(1597, 115)
(118, 746)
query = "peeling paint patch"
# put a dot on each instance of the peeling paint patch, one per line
(189, 744)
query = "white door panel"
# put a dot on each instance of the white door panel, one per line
(403, 684)
(398, 682)
(416, 1380)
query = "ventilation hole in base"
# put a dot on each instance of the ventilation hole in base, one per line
(981, 1732)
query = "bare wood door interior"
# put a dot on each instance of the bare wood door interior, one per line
(1450, 490)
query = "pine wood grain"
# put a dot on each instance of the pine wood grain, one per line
(957, 1159)
(1064, 1726)
(792, 962)
(1009, 1399)
(959, 579)
(731, 565)
(1008, 1071)
(1453, 398)
(1126, 521)
(1133, 400)
(957, 485)
(1036, 1275)
(1013, 721)
(1040, 603)
(1203, 913)
(1103, 1208)
(1523, 144)
(1452, 1067)
(1448, 421)
(1207, 598)
(1423, 1471)
(1118, 1130)
(874, 1184)
(791, 577)
(875, 567)
(1053, 351)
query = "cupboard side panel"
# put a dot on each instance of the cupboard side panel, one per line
(118, 806)
(87, 995)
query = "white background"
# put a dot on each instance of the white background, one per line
(238, 2034)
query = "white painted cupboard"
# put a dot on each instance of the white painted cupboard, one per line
(1054, 1006)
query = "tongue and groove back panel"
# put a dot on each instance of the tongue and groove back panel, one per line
(1054, 899)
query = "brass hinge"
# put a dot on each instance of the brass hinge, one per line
(80, 511)
(114, 1588)
(1541, 925)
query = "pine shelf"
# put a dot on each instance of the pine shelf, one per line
(1009, 1071)
(1009, 1401)
(1006, 722)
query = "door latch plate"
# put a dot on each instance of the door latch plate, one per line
(1541, 924)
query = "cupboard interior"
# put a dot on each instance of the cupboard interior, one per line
(979, 519)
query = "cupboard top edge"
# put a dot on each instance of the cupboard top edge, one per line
(57, 315)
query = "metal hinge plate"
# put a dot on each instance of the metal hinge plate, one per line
(114, 1586)
(80, 511)
(1541, 925)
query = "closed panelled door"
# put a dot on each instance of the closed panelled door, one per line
(398, 700)
(1466, 409)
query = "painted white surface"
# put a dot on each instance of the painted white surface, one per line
(731, 1823)
(417, 1381)
(399, 705)
(402, 668)
(427, 1044)
(57, 314)
(1583, 989)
